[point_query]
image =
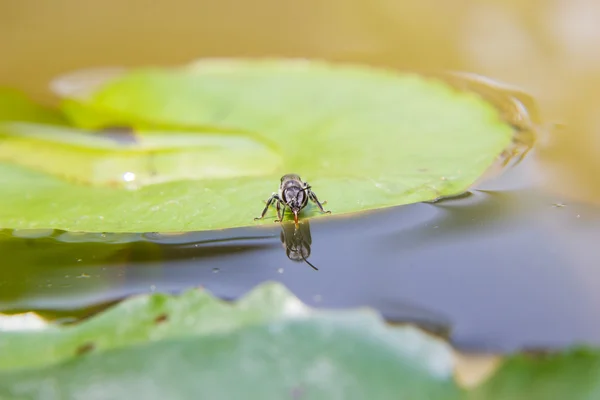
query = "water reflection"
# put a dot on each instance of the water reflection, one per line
(297, 240)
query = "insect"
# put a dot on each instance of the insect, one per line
(293, 194)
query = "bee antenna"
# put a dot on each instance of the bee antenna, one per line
(308, 262)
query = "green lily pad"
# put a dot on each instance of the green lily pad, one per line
(572, 374)
(267, 346)
(16, 106)
(364, 138)
(144, 318)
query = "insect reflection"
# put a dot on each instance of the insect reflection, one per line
(296, 240)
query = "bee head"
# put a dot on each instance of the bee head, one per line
(295, 198)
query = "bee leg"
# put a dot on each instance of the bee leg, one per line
(313, 197)
(279, 214)
(273, 197)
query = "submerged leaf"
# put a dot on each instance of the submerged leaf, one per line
(364, 138)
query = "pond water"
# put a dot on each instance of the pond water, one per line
(513, 265)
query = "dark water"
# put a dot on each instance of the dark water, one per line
(507, 267)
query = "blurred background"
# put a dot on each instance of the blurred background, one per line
(550, 49)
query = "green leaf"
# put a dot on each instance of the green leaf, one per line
(16, 106)
(119, 158)
(270, 347)
(144, 318)
(364, 138)
(573, 374)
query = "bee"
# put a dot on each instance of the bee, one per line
(293, 194)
